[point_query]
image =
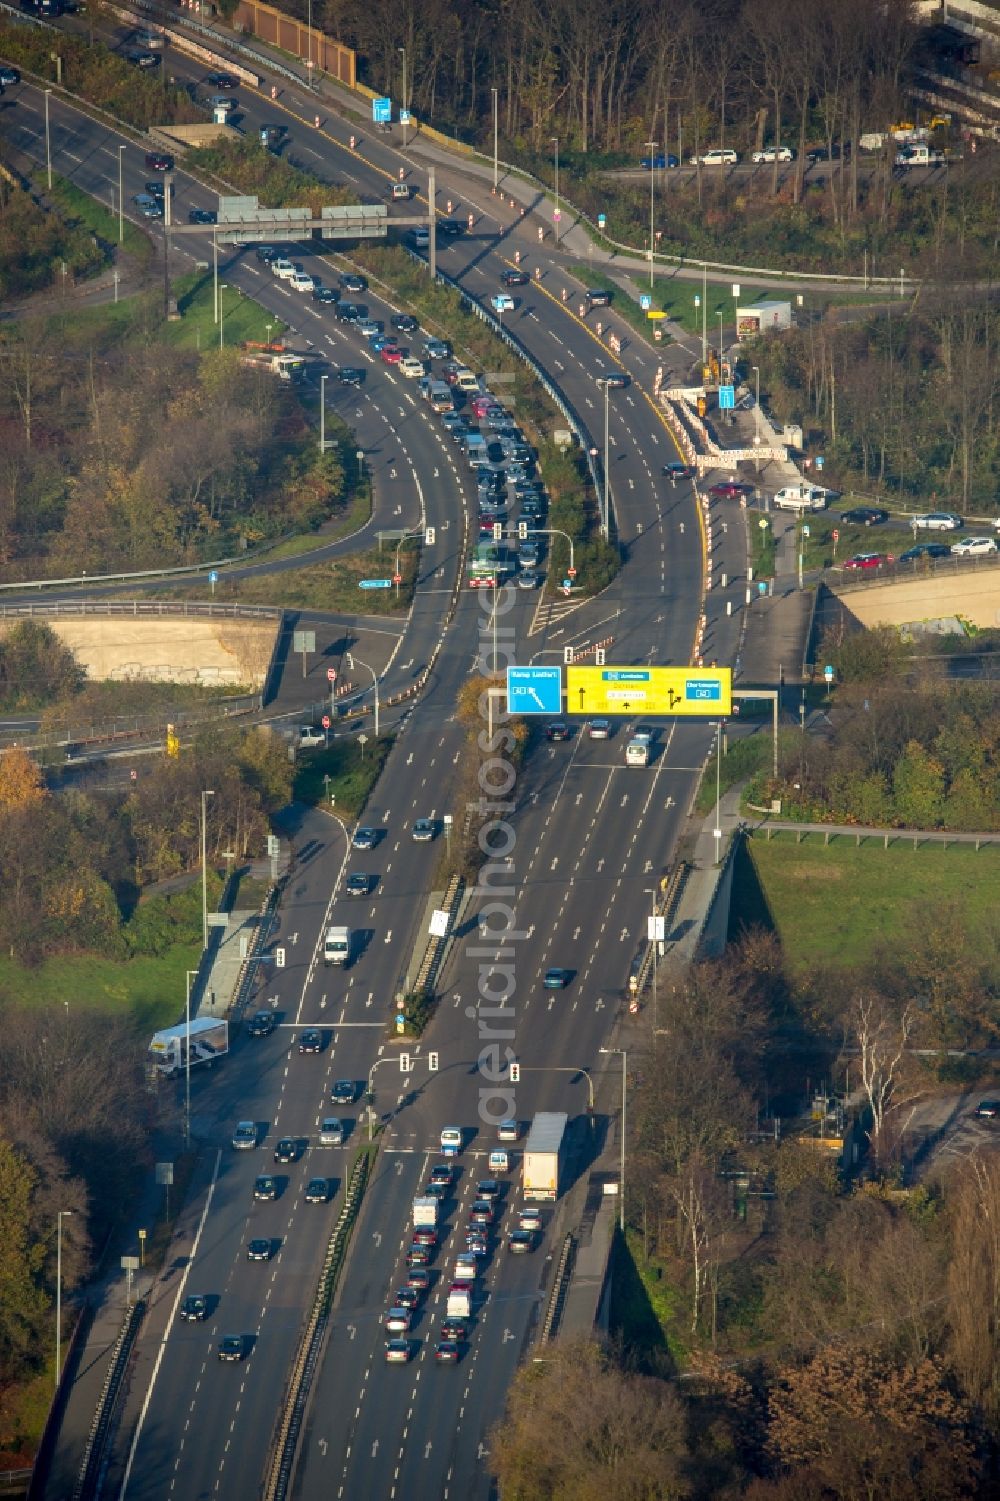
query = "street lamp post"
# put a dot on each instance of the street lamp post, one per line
(350, 662)
(722, 316)
(405, 108)
(717, 831)
(204, 872)
(61, 1214)
(496, 134)
(215, 275)
(756, 419)
(187, 1058)
(48, 141)
(322, 413)
(621, 1170)
(651, 147)
(121, 197)
(555, 217)
(605, 523)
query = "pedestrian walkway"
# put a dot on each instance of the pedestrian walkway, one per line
(214, 995)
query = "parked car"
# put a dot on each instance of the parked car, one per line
(988, 1110)
(717, 157)
(937, 521)
(865, 515)
(866, 562)
(730, 490)
(769, 153)
(925, 550)
(974, 546)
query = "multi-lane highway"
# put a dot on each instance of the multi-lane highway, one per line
(591, 839)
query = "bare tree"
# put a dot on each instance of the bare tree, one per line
(881, 1040)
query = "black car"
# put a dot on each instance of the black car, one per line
(9, 75)
(866, 516)
(326, 294)
(924, 550)
(156, 190)
(231, 1347)
(349, 376)
(677, 470)
(288, 1150)
(144, 60)
(343, 1092)
(222, 81)
(988, 1110)
(159, 161)
(358, 884)
(265, 1187)
(450, 227)
(350, 312)
(266, 254)
(615, 381)
(202, 216)
(351, 282)
(311, 1041)
(261, 1025)
(557, 730)
(258, 1249)
(405, 323)
(515, 278)
(194, 1308)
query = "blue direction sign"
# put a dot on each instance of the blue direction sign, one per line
(602, 220)
(727, 398)
(213, 577)
(374, 583)
(645, 302)
(382, 111)
(534, 690)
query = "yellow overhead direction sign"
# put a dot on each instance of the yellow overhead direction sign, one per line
(705, 692)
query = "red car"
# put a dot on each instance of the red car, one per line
(424, 1237)
(391, 354)
(863, 561)
(730, 490)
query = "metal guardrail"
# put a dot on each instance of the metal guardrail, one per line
(434, 952)
(894, 573)
(560, 1286)
(293, 1407)
(93, 1454)
(133, 608)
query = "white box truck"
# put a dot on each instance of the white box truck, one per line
(543, 1153)
(459, 1302)
(209, 1042)
(337, 946)
(425, 1213)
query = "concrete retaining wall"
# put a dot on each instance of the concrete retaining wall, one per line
(212, 652)
(972, 593)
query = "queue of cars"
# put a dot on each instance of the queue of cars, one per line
(462, 1248)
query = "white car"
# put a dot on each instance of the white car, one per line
(783, 154)
(301, 281)
(937, 521)
(283, 269)
(971, 546)
(717, 157)
(502, 302)
(411, 368)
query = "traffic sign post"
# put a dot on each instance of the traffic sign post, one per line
(534, 690)
(704, 692)
(374, 583)
(382, 111)
(213, 579)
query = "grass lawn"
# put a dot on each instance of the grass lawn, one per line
(644, 1305)
(352, 771)
(149, 990)
(242, 318)
(79, 208)
(831, 904)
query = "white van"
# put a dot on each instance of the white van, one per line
(800, 498)
(401, 190)
(337, 946)
(637, 751)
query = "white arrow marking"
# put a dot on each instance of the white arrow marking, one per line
(377, 1237)
(624, 935)
(388, 936)
(600, 865)
(427, 1451)
(374, 1447)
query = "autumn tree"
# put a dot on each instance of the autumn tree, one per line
(22, 785)
(856, 1424)
(578, 1428)
(973, 1280)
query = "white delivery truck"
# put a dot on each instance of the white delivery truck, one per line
(337, 946)
(209, 1041)
(425, 1213)
(543, 1154)
(638, 750)
(919, 155)
(459, 1301)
